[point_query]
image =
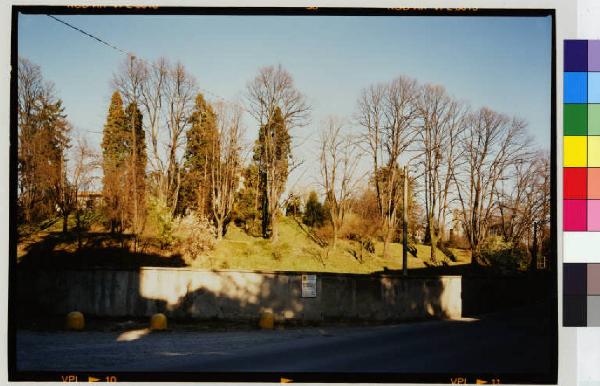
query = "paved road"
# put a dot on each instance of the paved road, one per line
(509, 342)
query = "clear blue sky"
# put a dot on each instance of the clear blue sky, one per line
(500, 62)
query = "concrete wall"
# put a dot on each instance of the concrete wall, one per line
(484, 294)
(201, 294)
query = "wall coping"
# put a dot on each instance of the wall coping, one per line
(274, 273)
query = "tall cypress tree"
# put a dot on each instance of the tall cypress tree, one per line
(53, 141)
(136, 166)
(247, 207)
(201, 152)
(114, 158)
(272, 152)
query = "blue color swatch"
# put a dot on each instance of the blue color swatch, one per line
(575, 87)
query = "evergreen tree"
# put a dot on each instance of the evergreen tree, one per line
(272, 153)
(201, 152)
(52, 136)
(247, 203)
(114, 159)
(42, 141)
(314, 215)
(58, 129)
(136, 168)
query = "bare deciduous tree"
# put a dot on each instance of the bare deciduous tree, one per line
(225, 173)
(491, 143)
(339, 157)
(388, 113)
(524, 198)
(272, 96)
(441, 124)
(131, 78)
(179, 97)
(274, 87)
(85, 163)
(152, 96)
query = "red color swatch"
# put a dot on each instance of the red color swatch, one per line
(575, 183)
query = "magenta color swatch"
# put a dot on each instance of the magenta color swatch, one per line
(594, 55)
(593, 215)
(575, 215)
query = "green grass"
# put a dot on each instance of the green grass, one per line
(295, 251)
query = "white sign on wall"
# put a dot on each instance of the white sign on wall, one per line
(309, 286)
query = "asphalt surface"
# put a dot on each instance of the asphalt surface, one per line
(509, 342)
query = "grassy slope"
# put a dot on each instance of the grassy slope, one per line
(296, 252)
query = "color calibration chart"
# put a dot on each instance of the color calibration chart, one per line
(581, 183)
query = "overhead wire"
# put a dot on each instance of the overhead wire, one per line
(116, 48)
(87, 34)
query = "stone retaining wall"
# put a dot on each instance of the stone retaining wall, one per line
(184, 293)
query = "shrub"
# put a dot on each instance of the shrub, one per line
(356, 225)
(324, 232)
(87, 218)
(280, 249)
(277, 255)
(365, 242)
(246, 217)
(457, 241)
(200, 236)
(293, 206)
(160, 216)
(314, 215)
(503, 255)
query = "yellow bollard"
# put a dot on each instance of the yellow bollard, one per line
(267, 321)
(158, 322)
(75, 321)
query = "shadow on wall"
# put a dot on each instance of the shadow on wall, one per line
(485, 294)
(97, 250)
(485, 290)
(185, 294)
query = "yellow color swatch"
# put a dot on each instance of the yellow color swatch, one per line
(575, 151)
(594, 151)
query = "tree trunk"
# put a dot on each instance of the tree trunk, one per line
(475, 255)
(65, 222)
(335, 233)
(434, 240)
(78, 228)
(386, 240)
(219, 229)
(274, 227)
(265, 215)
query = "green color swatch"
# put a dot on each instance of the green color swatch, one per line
(575, 119)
